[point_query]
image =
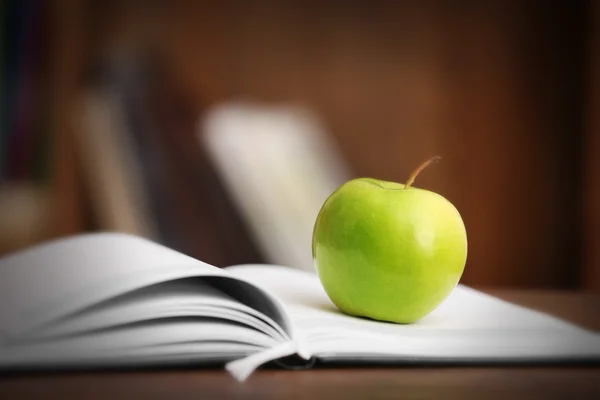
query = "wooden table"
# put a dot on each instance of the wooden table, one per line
(572, 382)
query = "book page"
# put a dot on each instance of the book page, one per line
(49, 282)
(191, 298)
(469, 325)
(127, 345)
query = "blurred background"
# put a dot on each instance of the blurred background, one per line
(219, 128)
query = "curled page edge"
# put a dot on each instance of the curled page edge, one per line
(243, 368)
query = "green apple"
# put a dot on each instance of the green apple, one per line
(388, 251)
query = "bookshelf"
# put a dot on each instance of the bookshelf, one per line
(497, 89)
(40, 196)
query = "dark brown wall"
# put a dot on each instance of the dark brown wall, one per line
(498, 89)
(591, 273)
(495, 88)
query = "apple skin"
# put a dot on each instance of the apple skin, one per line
(388, 253)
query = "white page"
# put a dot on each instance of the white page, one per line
(141, 340)
(183, 298)
(55, 278)
(469, 325)
(43, 284)
(174, 355)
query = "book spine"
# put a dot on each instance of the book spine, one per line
(124, 76)
(27, 113)
(12, 15)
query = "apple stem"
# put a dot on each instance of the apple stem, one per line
(420, 168)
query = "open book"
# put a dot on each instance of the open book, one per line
(114, 300)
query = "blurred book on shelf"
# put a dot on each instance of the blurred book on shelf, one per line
(123, 150)
(145, 171)
(111, 168)
(24, 211)
(279, 165)
(243, 185)
(25, 138)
